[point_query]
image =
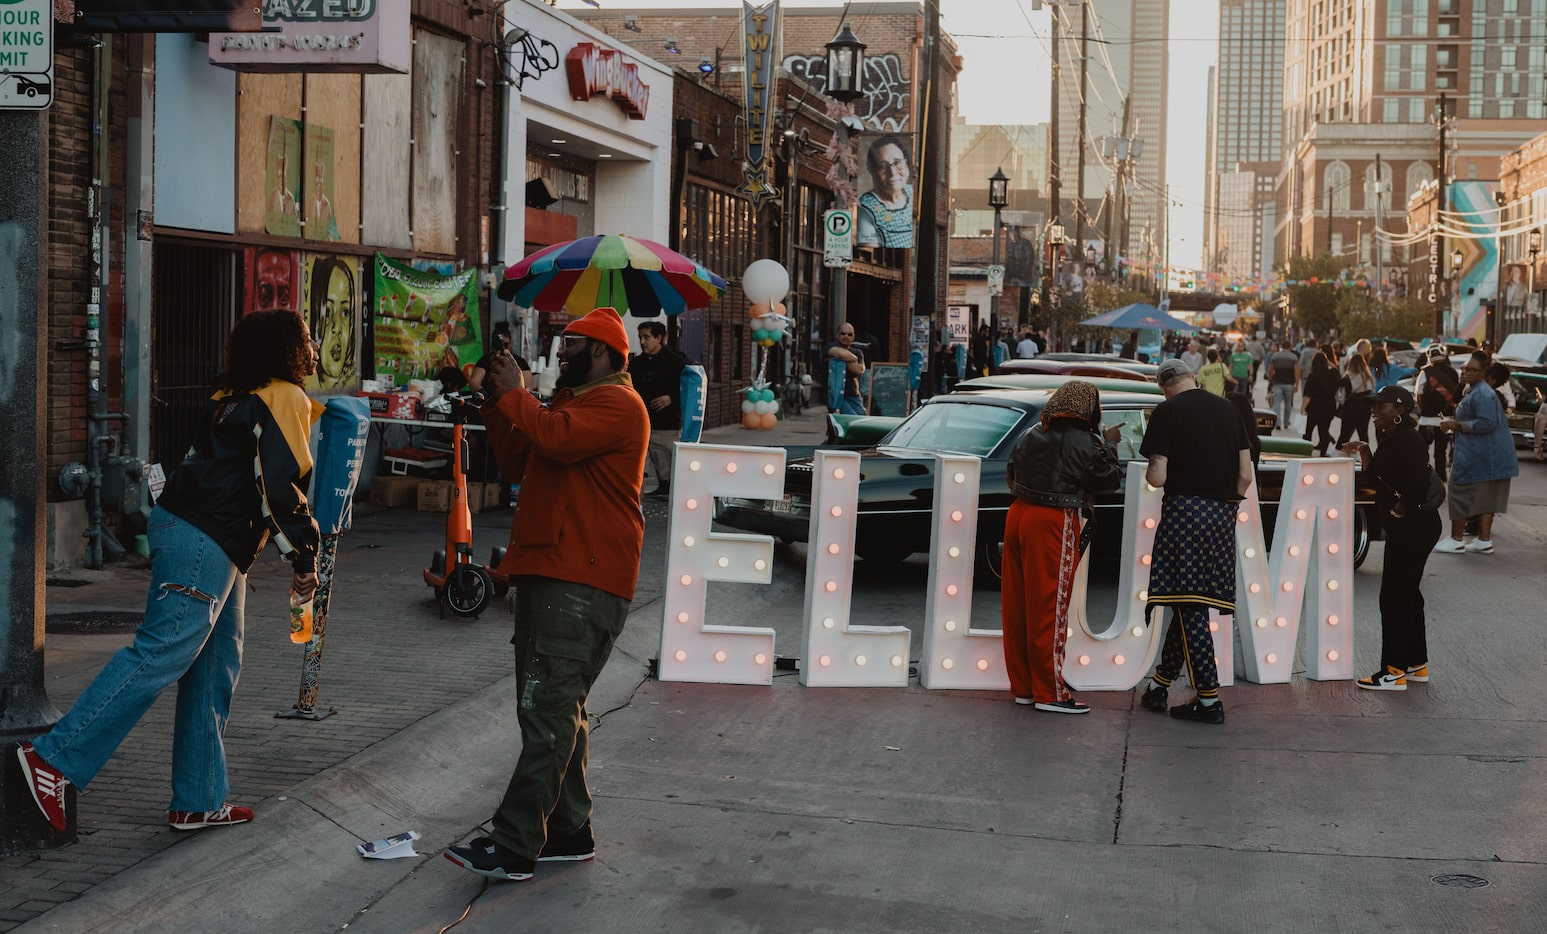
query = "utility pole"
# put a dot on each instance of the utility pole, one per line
(931, 155)
(25, 711)
(1079, 197)
(1054, 195)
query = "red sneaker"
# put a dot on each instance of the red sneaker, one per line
(46, 783)
(198, 820)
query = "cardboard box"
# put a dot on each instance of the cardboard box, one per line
(394, 405)
(435, 496)
(491, 496)
(393, 492)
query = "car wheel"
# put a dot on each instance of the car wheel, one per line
(1361, 536)
(989, 566)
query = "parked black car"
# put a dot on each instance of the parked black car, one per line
(896, 490)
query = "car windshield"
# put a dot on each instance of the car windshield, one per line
(1131, 432)
(955, 428)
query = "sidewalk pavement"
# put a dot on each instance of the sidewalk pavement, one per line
(736, 808)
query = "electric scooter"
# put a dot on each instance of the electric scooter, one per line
(460, 584)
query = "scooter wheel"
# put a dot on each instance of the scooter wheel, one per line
(468, 590)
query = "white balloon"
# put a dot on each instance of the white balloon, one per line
(747, 407)
(774, 407)
(765, 281)
(762, 408)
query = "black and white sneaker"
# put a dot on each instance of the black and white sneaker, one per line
(1154, 699)
(575, 846)
(1066, 706)
(1199, 712)
(1387, 679)
(487, 858)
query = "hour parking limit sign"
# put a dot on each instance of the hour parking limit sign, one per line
(26, 54)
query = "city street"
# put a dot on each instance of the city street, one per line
(736, 808)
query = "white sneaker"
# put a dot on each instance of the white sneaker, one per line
(1449, 546)
(1481, 546)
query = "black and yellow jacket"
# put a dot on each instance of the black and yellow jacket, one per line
(246, 475)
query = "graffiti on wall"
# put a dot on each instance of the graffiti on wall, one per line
(887, 104)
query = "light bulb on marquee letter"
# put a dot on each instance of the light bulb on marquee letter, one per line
(843, 651)
(1297, 578)
(1120, 657)
(949, 594)
(720, 654)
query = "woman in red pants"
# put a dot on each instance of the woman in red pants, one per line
(1055, 470)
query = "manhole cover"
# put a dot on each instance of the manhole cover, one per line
(90, 624)
(1460, 881)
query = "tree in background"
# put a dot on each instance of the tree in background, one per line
(1359, 315)
(1314, 305)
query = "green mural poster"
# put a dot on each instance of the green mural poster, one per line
(282, 178)
(424, 321)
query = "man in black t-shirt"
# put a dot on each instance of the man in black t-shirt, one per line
(1199, 453)
(657, 375)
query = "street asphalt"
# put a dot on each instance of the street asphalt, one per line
(727, 808)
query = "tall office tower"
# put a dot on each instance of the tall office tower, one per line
(1128, 70)
(1364, 78)
(1245, 139)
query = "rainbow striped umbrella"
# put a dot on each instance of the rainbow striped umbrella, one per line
(634, 276)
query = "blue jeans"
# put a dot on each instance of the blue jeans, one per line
(1284, 404)
(852, 405)
(192, 635)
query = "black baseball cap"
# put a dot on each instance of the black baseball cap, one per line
(1396, 394)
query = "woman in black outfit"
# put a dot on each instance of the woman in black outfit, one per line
(1321, 391)
(1401, 469)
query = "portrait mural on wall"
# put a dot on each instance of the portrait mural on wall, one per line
(272, 279)
(331, 304)
(282, 179)
(884, 217)
(292, 189)
(318, 184)
(1019, 251)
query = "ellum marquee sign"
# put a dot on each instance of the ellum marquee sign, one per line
(26, 54)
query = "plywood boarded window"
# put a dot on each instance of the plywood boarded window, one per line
(436, 102)
(386, 161)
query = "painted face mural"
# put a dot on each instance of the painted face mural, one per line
(274, 280)
(331, 303)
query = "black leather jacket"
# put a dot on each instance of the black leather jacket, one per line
(1063, 466)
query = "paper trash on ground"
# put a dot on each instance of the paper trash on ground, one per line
(396, 846)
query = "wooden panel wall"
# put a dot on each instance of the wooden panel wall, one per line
(438, 70)
(259, 97)
(385, 160)
(333, 101)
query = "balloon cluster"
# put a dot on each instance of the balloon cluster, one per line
(764, 283)
(768, 323)
(759, 409)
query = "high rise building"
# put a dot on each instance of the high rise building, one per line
(1245, 139)
(1128, 71)
(1365, 77)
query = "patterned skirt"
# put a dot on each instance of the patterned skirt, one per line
(1194, 554)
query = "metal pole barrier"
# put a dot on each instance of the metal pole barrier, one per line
(346, 423)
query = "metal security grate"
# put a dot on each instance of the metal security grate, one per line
(196, 290)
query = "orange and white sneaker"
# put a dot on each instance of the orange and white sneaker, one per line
(1418, 674)
(1387, 679)
(198, 820)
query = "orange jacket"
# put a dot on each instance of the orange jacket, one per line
(581, 462)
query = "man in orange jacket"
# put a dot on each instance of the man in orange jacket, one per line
(580, 461)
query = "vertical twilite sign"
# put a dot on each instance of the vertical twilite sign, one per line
(760, 50)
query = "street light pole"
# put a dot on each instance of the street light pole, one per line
(845, 79)
(1455, 291)
(998, 197)
(1533, 247)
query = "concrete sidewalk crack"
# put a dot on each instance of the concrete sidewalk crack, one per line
(1122, 775)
